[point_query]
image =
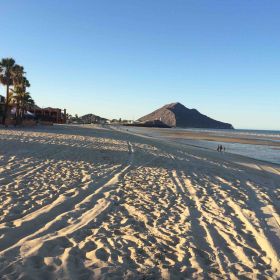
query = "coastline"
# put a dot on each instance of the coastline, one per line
(212, 136)
(92, 202)
(262, 149)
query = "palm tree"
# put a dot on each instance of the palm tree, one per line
(17, 75)
(21, 98)
(6, 71)
(27, 102)
(19, 88)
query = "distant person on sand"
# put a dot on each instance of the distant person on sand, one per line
(220, 148)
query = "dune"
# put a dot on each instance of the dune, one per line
(86, 202)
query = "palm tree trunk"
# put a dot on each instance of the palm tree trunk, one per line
(17, 114)
(6, 105)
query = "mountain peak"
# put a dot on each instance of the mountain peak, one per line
(173, 105)
(177, 115)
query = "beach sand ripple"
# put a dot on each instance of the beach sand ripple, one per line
(83, 202)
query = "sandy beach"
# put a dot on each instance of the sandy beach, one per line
(84, 202)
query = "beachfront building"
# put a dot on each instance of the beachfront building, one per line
(54, 115)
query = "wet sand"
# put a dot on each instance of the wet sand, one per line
(210, 136)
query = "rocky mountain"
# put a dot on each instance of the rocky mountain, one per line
(153, 123)
(91, 118)
(177, 115)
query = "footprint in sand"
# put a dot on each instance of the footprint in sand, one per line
(89, 246)
(102, 254)
(35, 262)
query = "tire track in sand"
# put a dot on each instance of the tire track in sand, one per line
(44, 218)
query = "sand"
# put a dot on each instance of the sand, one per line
(82, 202)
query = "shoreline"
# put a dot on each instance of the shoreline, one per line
(202, 140)
(207, 136)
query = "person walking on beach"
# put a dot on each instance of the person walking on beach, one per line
(221, 148)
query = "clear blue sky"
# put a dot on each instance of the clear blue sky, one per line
(126, 58)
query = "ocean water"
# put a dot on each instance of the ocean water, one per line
(273, 135)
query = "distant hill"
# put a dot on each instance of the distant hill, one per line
(153, 123)
(91, 118)
(177, 115)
